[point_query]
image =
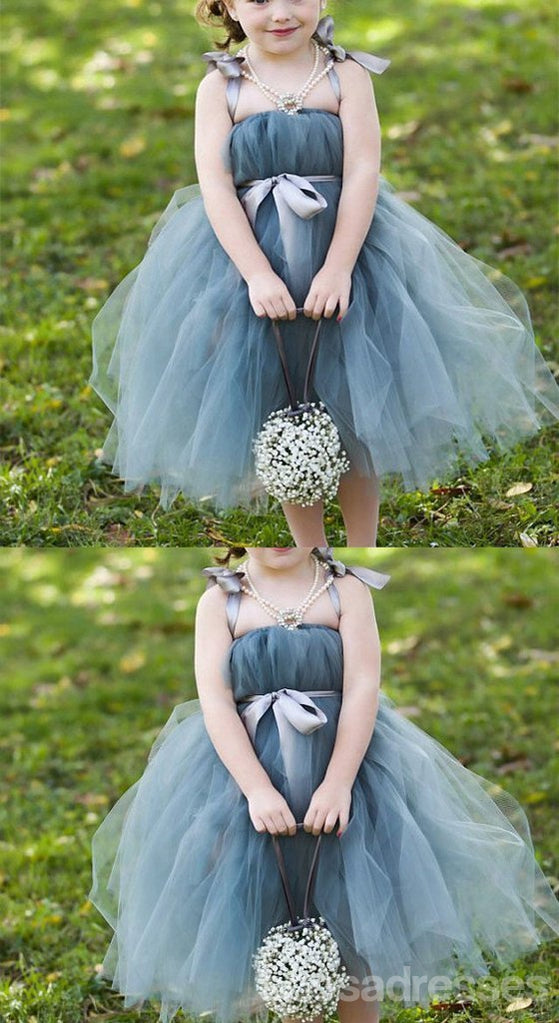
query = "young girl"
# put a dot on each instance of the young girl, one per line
(424, 867)
(425, 353)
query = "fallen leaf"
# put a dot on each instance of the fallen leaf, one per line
(528, 541)
(518, 1004)
(519, 488)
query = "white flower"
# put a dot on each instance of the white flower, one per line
(298, 456)
(298, 970)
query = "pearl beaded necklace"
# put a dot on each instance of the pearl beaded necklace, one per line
(288, 617)
(289, 102)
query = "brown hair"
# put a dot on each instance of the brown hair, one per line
(210, 12)
(232, 552)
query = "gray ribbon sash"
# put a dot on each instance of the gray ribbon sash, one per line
(292, 709)
(295, 199)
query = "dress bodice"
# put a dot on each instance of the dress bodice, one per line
(270, 142)
(270, 658)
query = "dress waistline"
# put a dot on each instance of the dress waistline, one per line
(292, 710)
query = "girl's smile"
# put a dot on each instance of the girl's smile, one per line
(283, 31)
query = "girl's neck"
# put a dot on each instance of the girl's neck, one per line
(300, 573)
(298, 61)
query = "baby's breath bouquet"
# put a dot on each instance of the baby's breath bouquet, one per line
(298, 971)
(299, 456)
(298, 452)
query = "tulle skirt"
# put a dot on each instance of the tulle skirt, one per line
(434, 876)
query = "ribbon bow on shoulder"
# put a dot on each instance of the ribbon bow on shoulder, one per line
(228, 63)
(325, 35)
(367, 575)
(227, 580)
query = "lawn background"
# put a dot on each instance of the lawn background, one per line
(96, 649)
(97, 121)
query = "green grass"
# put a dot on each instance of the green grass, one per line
(97, 117)
(97, 648)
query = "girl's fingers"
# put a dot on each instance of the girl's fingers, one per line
(330, 821)
(288, 824)
(330, 307)
(317, 822)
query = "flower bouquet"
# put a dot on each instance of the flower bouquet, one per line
(299, 456)
(298, 971)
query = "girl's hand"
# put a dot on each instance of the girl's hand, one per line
(330, 288)
(270, 812)
(269, 296)
(330, 803)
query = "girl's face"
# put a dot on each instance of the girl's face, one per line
(279, 558)
(277, 26)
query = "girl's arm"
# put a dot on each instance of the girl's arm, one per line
(361, 683)
(268, 294)
(361, 177)
(268, 809)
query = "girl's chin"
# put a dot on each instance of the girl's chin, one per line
(275, 555)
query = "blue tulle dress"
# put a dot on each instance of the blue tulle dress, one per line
(433, 365)
(435, 873)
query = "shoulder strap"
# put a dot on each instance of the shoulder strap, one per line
(232, 606)
(335, 598)
(335, 83)
(229, 64)
(232, 90)
(230, 582)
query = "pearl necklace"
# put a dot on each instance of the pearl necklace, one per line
(288, 617)
(289, 102)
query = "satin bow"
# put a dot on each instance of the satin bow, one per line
(325, 35)
(227, 63)
(367, 575)
(288, 705)
(228, 580)
(290, 193)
